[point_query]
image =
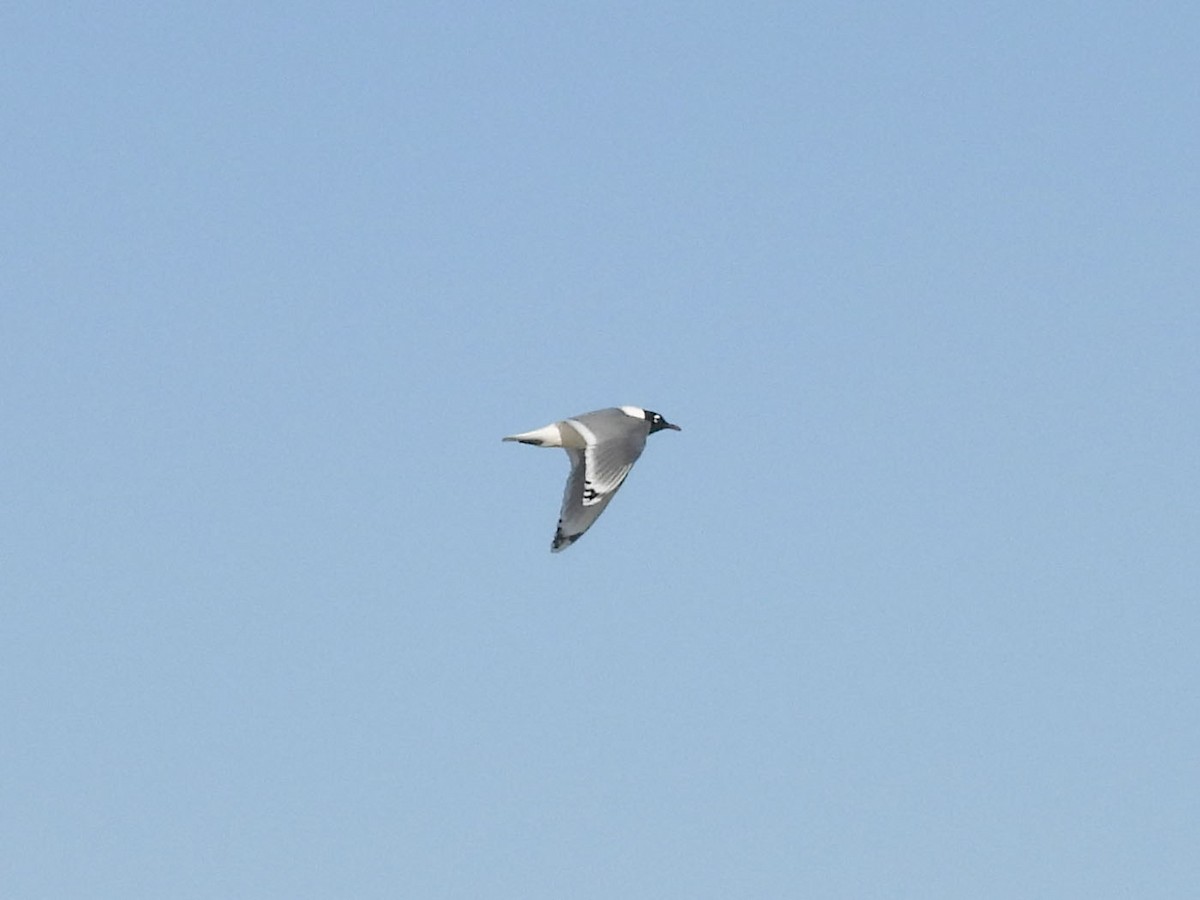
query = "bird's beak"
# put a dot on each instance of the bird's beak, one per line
(672, 427)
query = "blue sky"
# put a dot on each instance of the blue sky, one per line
(908, 608)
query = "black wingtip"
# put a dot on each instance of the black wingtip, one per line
(563, 541)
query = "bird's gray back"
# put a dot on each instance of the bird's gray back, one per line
(613, 441)
(612, 424)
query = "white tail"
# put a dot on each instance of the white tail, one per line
(549, 436)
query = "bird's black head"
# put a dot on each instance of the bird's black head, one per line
(658, 423)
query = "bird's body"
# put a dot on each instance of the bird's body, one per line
(603, 446)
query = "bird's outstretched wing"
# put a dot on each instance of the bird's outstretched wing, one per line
(597, 471)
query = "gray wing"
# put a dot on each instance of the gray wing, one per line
(597, 471)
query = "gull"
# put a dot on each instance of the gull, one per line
(603, 446)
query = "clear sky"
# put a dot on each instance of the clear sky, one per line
(908, 609)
